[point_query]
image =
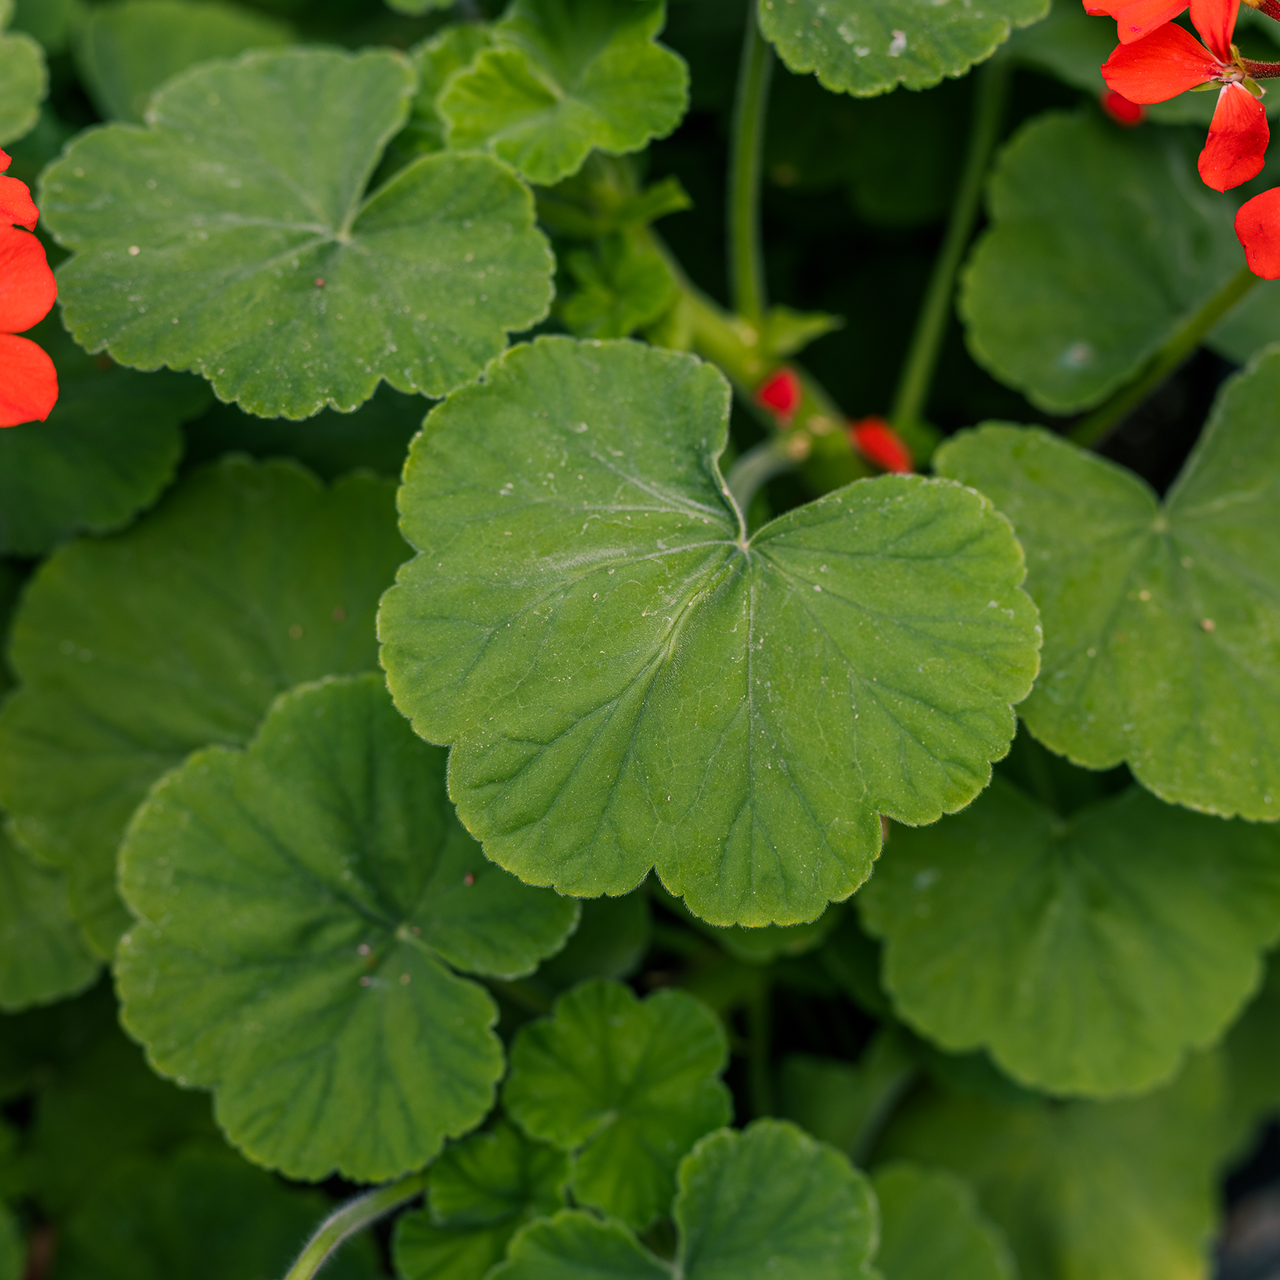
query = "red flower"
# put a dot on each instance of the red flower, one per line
(1120, 109)
(28, 380)
(1258, 229)
(1136, 18)
(1170, 61)
(880, 444)
(781, 393)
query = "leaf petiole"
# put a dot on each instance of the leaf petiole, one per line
(746, 267)
(351, 1217)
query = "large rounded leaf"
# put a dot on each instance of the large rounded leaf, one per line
(301, 908)
(109, 447)
(234, 236)
(865, 47)
(1162, 618)
(133, 651)
(564, 77)
(1102, 244)
(628, 1086)
(24, 81)
(630, 680)
(1086, 953)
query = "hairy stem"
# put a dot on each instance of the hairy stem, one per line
(746, 264)
(991, 98)
(351, 1217)
(1092, 430)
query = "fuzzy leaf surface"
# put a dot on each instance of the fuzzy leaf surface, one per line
(126, 51)
(302, 906)
(1162, 618)
(628, 680)
(564, 77)
(766, 1203)
(233, 236)
(1102, 243)
(135, 650)
(108, 449)
(930, 1226)
(480, 1193)
(628, 1085)
(866, 47)
(1086, 954)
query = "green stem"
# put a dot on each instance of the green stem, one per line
(746, 264)
(351, 1217)
(759, 1037)
(757, 467)
(992, 96)
(1094, 429)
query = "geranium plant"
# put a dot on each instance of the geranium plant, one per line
(642, 638)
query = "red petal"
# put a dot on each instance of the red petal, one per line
(1102, 8)
(1215, 20)
(5, 160)
(880, 444)
(1164, 64)
(1141, 17)
(781, 393)
(1237, 140)
(1120, 109)
(27, 288)
(1258, 229)
(28, 382)
(16, 205)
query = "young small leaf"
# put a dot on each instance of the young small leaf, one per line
(865, 47)
(627, 679)
(930, 1227)
(203, 1215)
(1161, 616)
(42, 954)
(622, 285)
(108, 449)
(302, 906)
(233, 236)
(565, 76)
(481, 1192)
(125, 51)
(133, 651)
(1102, 242)
(767, 1203)
(629, 1085)
(435, 60)
(1086, 953)
(1104, 1190)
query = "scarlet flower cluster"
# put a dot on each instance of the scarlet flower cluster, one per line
(782, 393)
(28, 380)
(1156, 60)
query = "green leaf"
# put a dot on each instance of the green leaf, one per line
(605, 196)
(42, 955)
(738, 711)
(10, 586)
(435, 60)
(767, 1203)
(846, 1104)
(133, 651)
(108, 449)
(12, 1252)
(865, 47)
(565, 76)
(1086, 953)
(50, 21)
(1102, 243)
(629, 1086)
(786, 331)
(204, 1215)
(100, 1109)
(1250, 1051)
(1097, 1190)
(480, 1193)
(930, 1227)
(417, 6)
(301, 908)
(233, 236)
(610, 942)
(24, 82)
(1137, 593)
(124, 52)
(623, 285)
(42, 1042)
